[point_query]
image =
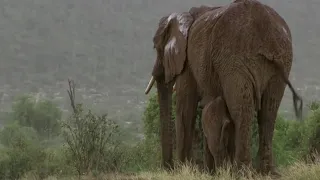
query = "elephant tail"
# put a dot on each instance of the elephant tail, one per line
(296, 97)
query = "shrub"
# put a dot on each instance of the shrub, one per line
(312, 137)
(56, 163)
(42, 115)
(89, 138)
(23, 154)
(12, 133)
(145, 156)
(151, 119)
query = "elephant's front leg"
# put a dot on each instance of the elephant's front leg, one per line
(271, 99)
(186, 111)
(208, 158)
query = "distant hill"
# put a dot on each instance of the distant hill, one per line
(106, 47)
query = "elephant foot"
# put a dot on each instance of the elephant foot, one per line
(242, 171)
(168, 166)
(275, 174)
(209, 170)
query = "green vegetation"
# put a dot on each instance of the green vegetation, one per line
(36, 141)
(107, 46)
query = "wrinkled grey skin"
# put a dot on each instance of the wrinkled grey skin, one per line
(242, 52)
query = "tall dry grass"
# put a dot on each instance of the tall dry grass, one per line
(297, 171)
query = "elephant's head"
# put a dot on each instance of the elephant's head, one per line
(170, 42)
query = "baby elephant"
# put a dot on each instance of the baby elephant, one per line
(219, 134)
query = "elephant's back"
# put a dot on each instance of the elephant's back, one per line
(205, 74)
(234, 37)
(243, 28)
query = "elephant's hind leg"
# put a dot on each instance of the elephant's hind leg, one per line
(239, 97)
(271, 99)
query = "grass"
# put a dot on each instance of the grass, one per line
(297, 171)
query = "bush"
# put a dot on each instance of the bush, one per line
(151, 119)
(42, 115)
(90, 138)
(144, 156)
(312, 137)
(27, 131)
(92, 142)
(12, 133)
(56, 163)
(23, 154)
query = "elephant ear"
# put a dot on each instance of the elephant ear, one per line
(171, 43)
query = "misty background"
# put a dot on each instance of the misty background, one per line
(106, 47)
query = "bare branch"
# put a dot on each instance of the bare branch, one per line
(71, 93)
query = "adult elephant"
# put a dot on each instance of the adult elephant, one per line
(187, 98)
(241, 51)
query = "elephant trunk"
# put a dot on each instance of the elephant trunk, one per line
(167, 125)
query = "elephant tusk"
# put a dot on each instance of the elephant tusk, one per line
(150, 84)
(174, 87)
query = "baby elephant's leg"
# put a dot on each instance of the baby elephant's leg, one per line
(216, 123)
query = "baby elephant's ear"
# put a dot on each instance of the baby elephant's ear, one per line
(175, 48)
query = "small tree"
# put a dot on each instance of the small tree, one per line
(87, 135)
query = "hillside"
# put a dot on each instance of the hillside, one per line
(106, 47)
